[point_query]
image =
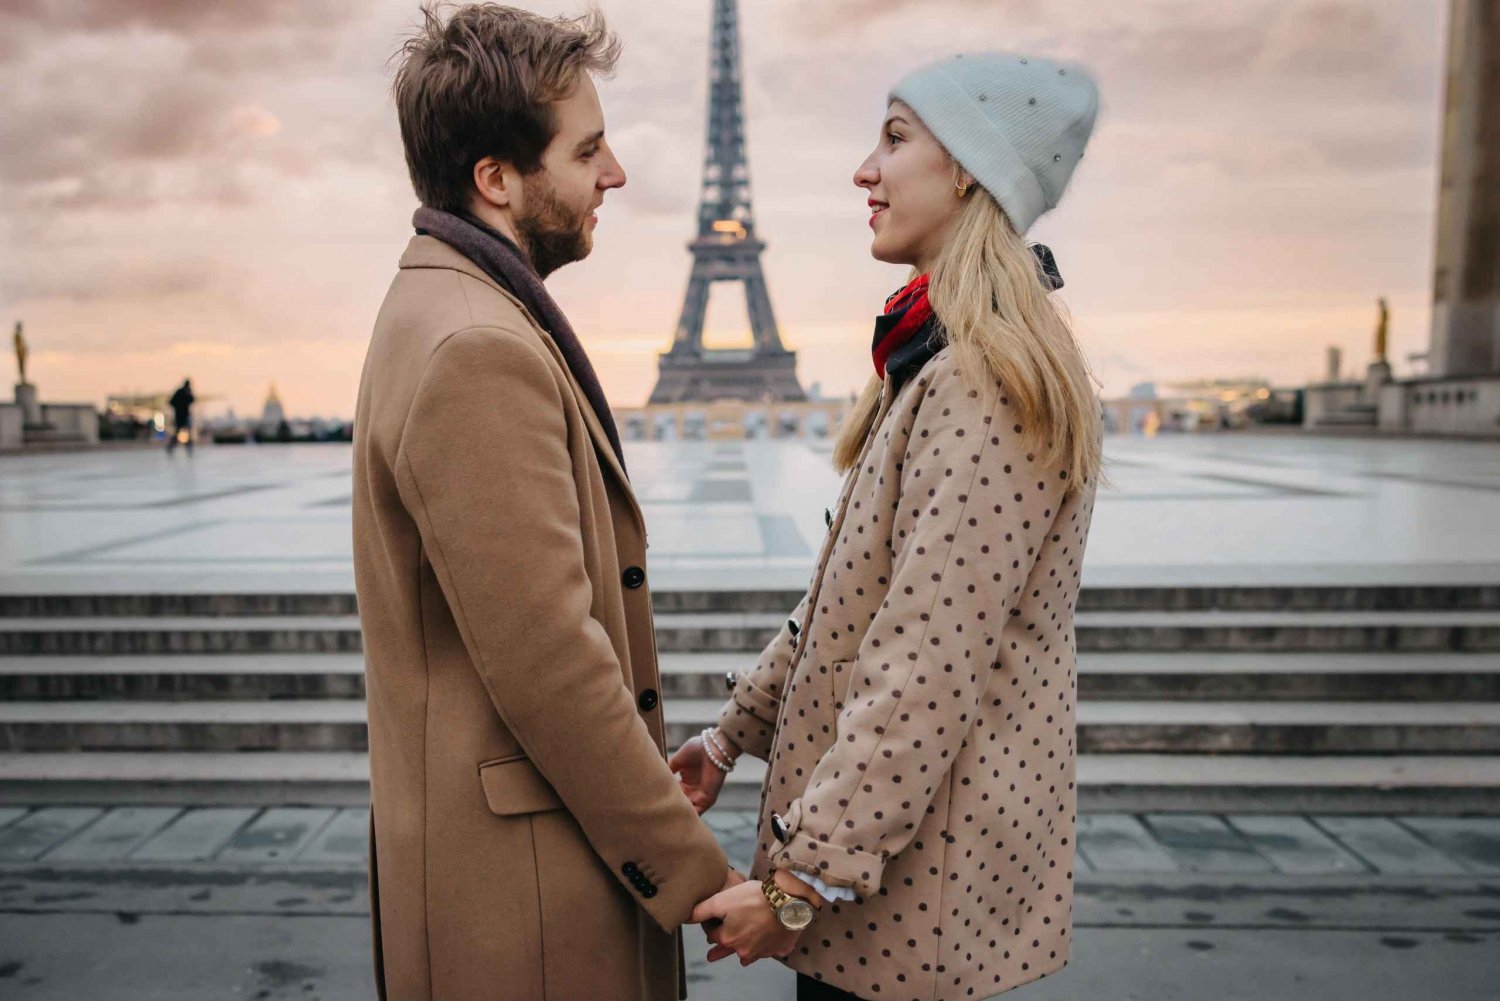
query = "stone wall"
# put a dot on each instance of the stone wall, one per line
(1443, 406)
(78, 422)
(1323, 400)
(1464, 406)
(11, 427)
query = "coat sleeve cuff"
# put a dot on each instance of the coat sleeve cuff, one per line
(835, 865)
(672, 896)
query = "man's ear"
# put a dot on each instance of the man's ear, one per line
(497, 182)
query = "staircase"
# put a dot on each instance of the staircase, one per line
(1262, 699)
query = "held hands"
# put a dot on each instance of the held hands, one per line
(735, 878)
(739, 921)
(700, 779)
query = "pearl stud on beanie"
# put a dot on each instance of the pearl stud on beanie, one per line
(1017, 123)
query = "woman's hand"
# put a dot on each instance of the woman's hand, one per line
(701, 781)
(739, 921)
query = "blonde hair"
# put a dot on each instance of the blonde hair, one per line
(1002, 323)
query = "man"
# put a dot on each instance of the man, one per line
(528, 839)
(182, 417)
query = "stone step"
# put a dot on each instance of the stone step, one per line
(180, 635)
(1182, 597)
(210, 778)
(1289, 632)
(1114, 783)
(344, 603)
(1472, 631)
(183, 676)
(1355, 784)
(1270, 728)
(1106, 727)
(1288, 598)
(287, 725)
(1451, 677)
(1365, 677)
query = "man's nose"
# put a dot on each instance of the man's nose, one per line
(614, 175)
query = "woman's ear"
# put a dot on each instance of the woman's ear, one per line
(962, 180)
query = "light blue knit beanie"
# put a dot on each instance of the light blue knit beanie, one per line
(1017, 123)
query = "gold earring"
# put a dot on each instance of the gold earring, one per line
(963, 189)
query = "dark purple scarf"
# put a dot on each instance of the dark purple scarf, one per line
(503, 261)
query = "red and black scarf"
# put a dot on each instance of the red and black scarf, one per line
(906, 312)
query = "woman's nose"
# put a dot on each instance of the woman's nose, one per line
(867, 175)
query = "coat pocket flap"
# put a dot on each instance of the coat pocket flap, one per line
(513, 786)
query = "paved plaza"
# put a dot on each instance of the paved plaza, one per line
(244, 903)
(1211, 894)
(1230, 509)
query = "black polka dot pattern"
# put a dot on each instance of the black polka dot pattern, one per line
(920, 722)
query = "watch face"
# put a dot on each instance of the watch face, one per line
(795, 915)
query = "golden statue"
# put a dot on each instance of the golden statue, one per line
(21, 352)
(1382, 330)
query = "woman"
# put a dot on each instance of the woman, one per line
(917, 710)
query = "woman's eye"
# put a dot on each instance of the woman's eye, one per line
(893, 138)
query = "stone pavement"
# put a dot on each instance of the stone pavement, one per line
(162, 903)
(1178, 510)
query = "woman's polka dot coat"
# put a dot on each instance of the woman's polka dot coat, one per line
(918, 710)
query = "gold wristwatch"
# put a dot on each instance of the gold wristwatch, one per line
(794, 913)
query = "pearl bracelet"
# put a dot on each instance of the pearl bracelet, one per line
(712, 734)
(710, 746)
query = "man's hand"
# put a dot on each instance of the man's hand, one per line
(701, 781)
(739, 921)
(733, 879)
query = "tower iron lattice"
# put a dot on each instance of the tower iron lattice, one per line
(726, 249)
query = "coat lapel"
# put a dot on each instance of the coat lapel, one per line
(596, 429)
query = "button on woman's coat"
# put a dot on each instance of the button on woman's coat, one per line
(918, 711)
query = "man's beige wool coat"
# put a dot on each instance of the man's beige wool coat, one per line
(917, 711)
(529, 840)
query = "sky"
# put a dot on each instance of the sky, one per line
(217, 190)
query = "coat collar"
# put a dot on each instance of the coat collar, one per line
(430, 252)
(911, 357)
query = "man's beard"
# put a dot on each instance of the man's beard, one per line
(553, 234)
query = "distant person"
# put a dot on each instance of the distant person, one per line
(918, 709)
(182, 417)
(528, 839)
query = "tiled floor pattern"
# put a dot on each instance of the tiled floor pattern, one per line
(1251, 844)
(1180, 510)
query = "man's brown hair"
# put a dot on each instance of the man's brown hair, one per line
(482, 82)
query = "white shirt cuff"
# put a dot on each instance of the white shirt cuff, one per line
(824, 890)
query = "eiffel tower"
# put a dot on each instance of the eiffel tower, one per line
(726, 250)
